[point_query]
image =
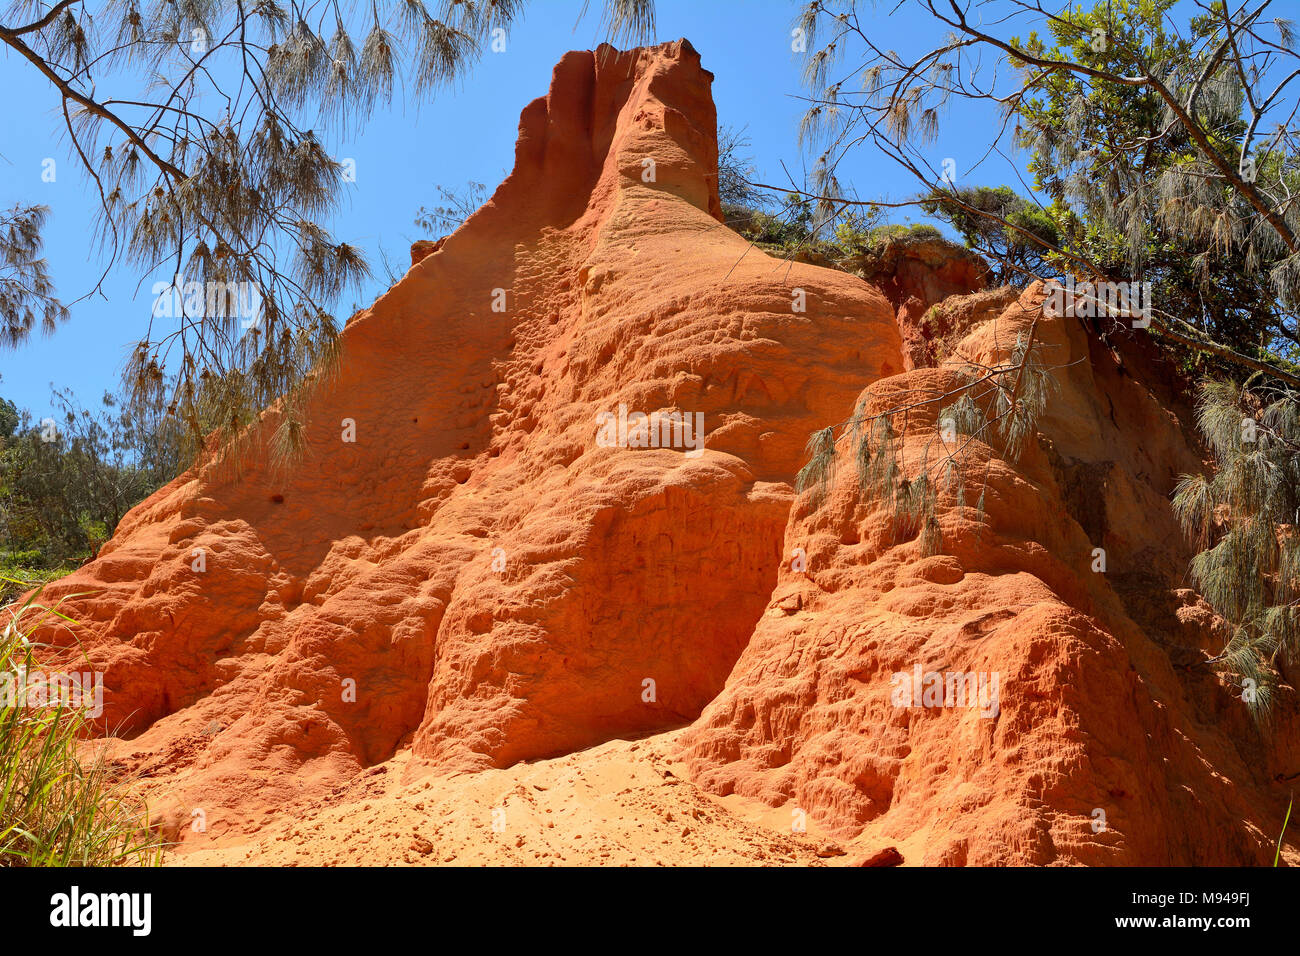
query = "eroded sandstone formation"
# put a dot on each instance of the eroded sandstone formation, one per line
(1112, 741)
(479, 578)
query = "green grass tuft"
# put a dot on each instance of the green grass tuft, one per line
(57, 809)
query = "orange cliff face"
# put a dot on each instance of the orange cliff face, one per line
(476, 563)
(1075, 719)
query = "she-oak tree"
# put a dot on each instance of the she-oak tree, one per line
(201, 125)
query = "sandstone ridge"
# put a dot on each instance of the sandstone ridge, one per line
(478, 579)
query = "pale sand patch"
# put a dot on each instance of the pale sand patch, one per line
(621, 803)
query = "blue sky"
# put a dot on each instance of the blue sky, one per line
(460, 134)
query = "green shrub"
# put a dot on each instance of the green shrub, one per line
(897, 230)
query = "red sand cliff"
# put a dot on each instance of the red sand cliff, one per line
(500, 587)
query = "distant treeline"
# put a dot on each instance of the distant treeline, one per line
(66, 480)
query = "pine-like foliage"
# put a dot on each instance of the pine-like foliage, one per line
(456, 206)
(1161, 143)
(996, 407)
(1244, 520)
(26, 291)
(203, 126)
